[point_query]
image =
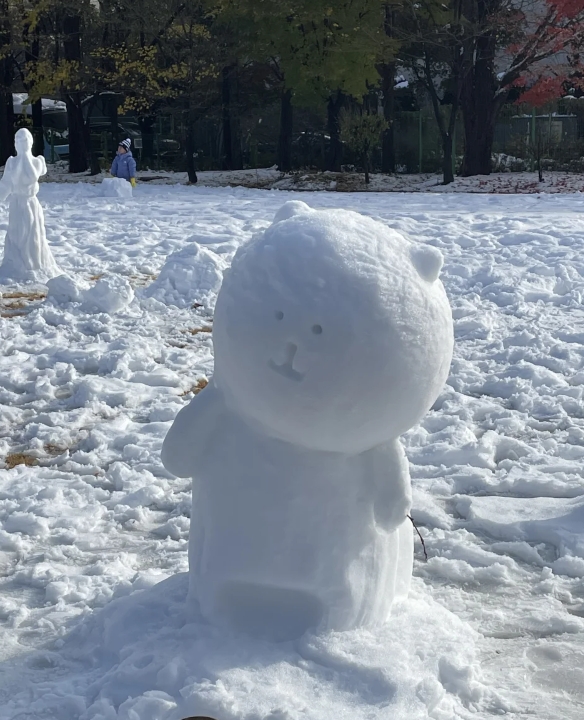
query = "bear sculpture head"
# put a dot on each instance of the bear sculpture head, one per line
(332, 331)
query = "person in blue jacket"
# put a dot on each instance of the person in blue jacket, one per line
(124, 165)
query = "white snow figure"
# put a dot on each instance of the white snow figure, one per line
(333, 336)
(27, 256)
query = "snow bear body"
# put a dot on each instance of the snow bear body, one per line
(332, 337)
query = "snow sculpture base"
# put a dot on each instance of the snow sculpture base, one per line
(333, 336)
(138, 659)
(116, 188)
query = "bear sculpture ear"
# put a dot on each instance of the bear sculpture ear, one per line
(428, 262)
(291, 208)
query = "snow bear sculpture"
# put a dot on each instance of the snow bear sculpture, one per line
(333, 335)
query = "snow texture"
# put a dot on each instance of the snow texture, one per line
(301, 488)
(94, 531)
(116, 188)
(27, 256)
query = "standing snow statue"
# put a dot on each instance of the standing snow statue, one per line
(333, 336)
(27, 256)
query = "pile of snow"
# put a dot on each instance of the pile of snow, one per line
(116, 188)
(148, 664)
(110, 294)
(508, 163)
(63, 289)
(190, 276)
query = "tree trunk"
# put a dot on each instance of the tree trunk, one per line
(366, 166)
(388, 138)
(232, 156)
(112, 108)
(78, 150)
(447, 149)
(190, 145)
(6, 126)
(334, 107)
(285, 138)
(147, 130)
(6, 78)
(38, 132)
(479, 131)
(479, 106)
(31, 56)
(94, 166)
(387, 74)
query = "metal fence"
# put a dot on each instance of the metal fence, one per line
(554, 135)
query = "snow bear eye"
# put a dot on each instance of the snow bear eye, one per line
(317, 329)
(279, 315)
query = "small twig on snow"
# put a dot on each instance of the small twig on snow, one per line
(420, 536)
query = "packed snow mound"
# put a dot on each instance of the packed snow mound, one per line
(110, 294)
(421, 665)
(27, 255)
(333, 335)
(191, 275)
(63, 289)
(116, 188)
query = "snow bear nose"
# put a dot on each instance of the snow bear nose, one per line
(286, 369)
(291, 350)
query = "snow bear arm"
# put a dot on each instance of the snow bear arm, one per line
(5, 181)
(42, 165)
(392, 486)
(191, 431)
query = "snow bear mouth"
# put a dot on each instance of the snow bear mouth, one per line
(286, 369)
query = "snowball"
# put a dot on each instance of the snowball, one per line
(116, 188)
(63, 289)
(191, 275)
(332, 337)
(27, 255)
(109, 295)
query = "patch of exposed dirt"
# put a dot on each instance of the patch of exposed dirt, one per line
(19, 302)
(197, 331)
(14, 459)
(201, 384)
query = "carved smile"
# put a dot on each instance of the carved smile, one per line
(286, 369)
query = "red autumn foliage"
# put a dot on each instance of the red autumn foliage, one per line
(547, 62)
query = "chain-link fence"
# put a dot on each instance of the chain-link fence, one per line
(552, 136)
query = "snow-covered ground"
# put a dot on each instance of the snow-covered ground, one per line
(304, 180)
(90, 521)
